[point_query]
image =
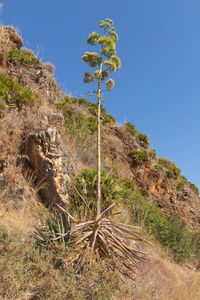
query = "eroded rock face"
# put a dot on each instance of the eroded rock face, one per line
(118, 144)
(50, 164)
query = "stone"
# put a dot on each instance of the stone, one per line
(50, 163)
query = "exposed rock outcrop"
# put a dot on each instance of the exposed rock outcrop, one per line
(49, 161)
(162, 189)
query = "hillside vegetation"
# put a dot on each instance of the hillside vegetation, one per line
(47, 154)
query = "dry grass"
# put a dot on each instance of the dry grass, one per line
(161, 279)
(82, 154)
(22, 220)
(27, 51)
(49, 67)
(19, 204)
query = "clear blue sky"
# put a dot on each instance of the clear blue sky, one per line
(158, 87)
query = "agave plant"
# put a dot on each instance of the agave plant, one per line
(100, 237)
(58, 229)
(107, 240)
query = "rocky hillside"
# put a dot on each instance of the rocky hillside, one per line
(47, 138)
(125, 149)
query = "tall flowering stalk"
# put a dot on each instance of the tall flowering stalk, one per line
(105, 62)
(101, 237)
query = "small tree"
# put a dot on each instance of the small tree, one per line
(105, 62)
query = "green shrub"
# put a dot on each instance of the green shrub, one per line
(93, 110)
(173, 170)
(179, 239)
(92, 124)
(153, 153)
(86, 184)
(2, 107)
(92, 107)
(139, 156)
(108, 119)
(14, 94)
(84, 102)
(131, 128)
(181, 182)
(169, 174)
(76, 123)
(169, 231)
(21, 58)
(194, 188)
(149, 216)
(144, 192)
(158, 167)
(176, 171)
(165, 162)
(128, 184)
(144, 138)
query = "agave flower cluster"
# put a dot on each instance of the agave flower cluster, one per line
(106, 61)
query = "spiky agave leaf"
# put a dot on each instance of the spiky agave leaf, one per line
(104, 238)
(58, 230)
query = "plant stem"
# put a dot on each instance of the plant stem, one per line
(99, 146)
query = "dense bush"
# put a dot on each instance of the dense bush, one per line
(92, 107)
(173, 171)
(77, 123)
(165, 162)
(153, 153)
(20, 58)
(158, 167)
(91, 123)
(131, 128)
(86, 184)
(194, 188)
(128, 184)
(14, 94)
(139, 156)
(144, 192)
(142, 137)
(169, 231)
(181, 182)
